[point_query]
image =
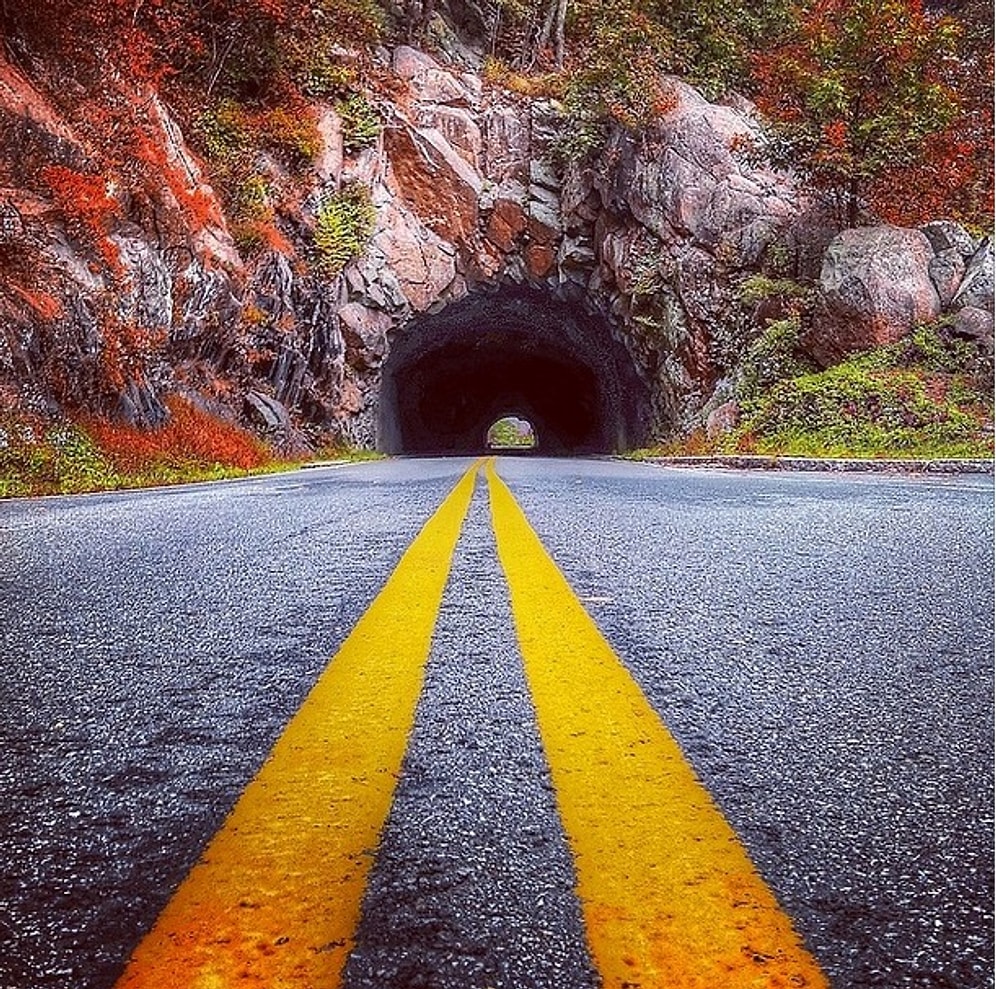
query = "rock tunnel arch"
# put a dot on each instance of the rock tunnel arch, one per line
(513, 351)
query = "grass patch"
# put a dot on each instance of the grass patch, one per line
(926, 397)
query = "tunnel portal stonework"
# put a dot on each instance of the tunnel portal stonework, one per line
(512, 351)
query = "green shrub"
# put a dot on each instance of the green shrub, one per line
(929, 347)
(361, 123)
(59, 460)
(290, 132)
(582, 133)
(773, 356)
(322, 77)
(343, 224)
(223, 132)
(251, 198)
(860, 408)
(758, 288)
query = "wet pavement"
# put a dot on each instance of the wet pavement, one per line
(821, 646)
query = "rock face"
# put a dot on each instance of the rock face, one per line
(644, 245)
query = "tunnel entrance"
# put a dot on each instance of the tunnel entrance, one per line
(515, 352)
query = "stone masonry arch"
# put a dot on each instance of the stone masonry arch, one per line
(514, 350)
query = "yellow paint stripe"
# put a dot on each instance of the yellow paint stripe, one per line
(670, 897)
(276, 897)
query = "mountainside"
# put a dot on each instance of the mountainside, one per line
(356, 243)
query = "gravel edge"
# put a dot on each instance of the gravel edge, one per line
(742, 462)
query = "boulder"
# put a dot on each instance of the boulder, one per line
(947, 269)
(267, 413)
(684, 180)
(723, 419)
(974, 325)
(139, 405)
(976, 288)
(438, 184)
(945, 235)
(875, 286)
(422, 263)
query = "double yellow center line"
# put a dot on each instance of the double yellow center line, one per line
(669, 896)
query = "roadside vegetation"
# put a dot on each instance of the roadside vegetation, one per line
(926, 397)
(38, 457)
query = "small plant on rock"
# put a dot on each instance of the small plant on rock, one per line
(760, 288)
(361, 124)
(343, 225)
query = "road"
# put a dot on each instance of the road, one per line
(819, 647)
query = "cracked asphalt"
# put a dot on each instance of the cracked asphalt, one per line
(821, 646)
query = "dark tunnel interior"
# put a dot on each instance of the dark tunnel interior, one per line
(452, 374)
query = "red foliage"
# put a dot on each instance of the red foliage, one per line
(200, 209)
(274, 239)
(954, 180)
(46, 306)
(190, 436)
(126, 349)
(955, 175)
(862, 93)
(88, 208)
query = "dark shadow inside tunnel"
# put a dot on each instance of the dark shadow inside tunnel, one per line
(517, 352)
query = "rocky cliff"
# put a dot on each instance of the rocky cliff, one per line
(495, 270)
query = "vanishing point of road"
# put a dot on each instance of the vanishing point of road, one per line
(513, 724)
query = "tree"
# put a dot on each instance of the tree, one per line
(955, 176)
(856, 90)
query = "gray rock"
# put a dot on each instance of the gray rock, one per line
(273, 285)
(544, 213)
(458, 127)
(328, 164)
(430, 82)
(506, 136)
(977, 286)
(946, 235)
(365, 333)
(684, 180)
(147, 300)
(139, 405)
(541, 173)
(723, 419)
(974, 325)
(267, 413)
(947, 269)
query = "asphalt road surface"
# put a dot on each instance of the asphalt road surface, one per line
(819, 646)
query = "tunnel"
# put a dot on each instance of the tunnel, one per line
(513, 352)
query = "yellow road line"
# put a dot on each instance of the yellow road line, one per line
(670, 897)
(275, 899)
